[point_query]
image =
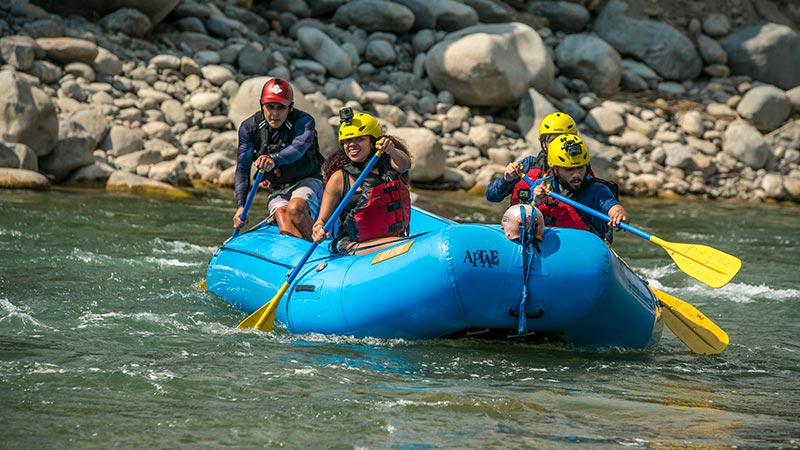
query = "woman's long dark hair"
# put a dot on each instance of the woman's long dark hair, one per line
(336, 160)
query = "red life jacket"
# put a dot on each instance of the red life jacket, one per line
(556, 214)
(381, 209)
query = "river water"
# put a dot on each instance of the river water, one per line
(106, 343)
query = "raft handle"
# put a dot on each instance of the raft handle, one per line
(534, 315)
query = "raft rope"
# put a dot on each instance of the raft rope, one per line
(527, 242)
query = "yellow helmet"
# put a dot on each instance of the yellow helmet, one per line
(557, 123)
(361, 124)
(567, 150)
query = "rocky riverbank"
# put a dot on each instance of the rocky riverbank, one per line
(700, 102)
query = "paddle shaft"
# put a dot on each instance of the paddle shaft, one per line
(591, 211)
(249, 202)
(335, 216)
(264, 317)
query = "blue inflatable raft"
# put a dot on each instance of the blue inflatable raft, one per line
(445, 280)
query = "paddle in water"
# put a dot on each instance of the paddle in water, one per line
(264, 318)
(692, 327)
(706, 264)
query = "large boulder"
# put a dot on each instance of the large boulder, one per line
(155, 10)
(766, 106)
(22, 179)
(375, 15)
(427, 155)
(744, 142)
(591, 59)
(122, 181)
(533, 108)
(491, 65)
(27, 115)
(662, 47)
(767, 52)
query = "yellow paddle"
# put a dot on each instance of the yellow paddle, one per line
(264, 317)
(691, 326)
(706, 264)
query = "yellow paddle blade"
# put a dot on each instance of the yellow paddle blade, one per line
(691, 326)
(264, 317)
(707, 264)
(201, 286)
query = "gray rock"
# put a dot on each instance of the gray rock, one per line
(531, 111)
(375, 15)
(324, 7)
(46, 71)
(205, 101)
(662, 47)
(131, 161)
(452, 15)
(766, 106)
(427, 155)
(589, 58)
(491, 11)
(711, 51)
(254, 60)
(424, 18)
(508, 57)
(765, 52)
(80, 70)
(69, 153)
(380, 52)
(562, 15)
(106, 63)
(716, 25)
(743, 141)
(225, 27)
(692, 123)
(123, 181)
(66, 49)
(217, 75)
(22, 179)
(678, 155)
(128, 21)
(171, 172)
(121, 140)
(604, 120)
(27, 115)
(18, 51)
(325, 51)
(772, 184)
(156, 10)
(794, 98)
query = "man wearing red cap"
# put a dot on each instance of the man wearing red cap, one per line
(282, 141)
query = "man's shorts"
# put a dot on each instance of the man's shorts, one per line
(309, 189)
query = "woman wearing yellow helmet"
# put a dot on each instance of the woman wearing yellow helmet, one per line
(381, 208)
(569, 158)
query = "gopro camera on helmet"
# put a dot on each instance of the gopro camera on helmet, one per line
(573, 148)
(346, 115)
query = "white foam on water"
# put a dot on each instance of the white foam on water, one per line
(655, 273)
(170, 262)
(12, 233)
(10, 311)
(180, 248)
(89, 319)
(88, 257)
(746, 293)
